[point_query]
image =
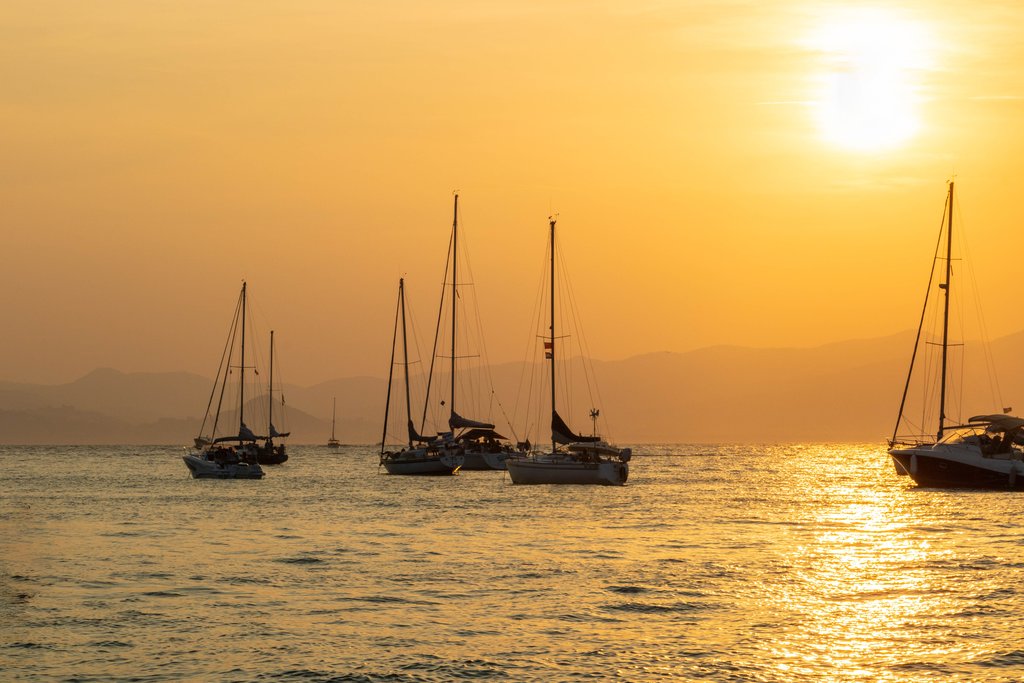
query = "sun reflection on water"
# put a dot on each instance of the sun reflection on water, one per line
(739, 563)
(863, 598)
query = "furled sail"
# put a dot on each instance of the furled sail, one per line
(245, 434)
(456, 421)
(560, 432)
(275, 434)
(415, 436)
(474, 434)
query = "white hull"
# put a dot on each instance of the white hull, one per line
(497, 461)
(474, 461)
(201, 467)
(422, 462)
(485, 460)
(565, 469)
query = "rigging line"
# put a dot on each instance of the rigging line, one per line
(574, 316)
(535, 398)
(482, 339)
(257, 363)
(568, 319)
(995, 390)
(437, 329)
(472, 334)
(590, 372)
(391, 372)
(959, 392)
(917, 339)
(220, 367)
(232, 333)
(414, 329)
(511, 427)
(929, 382)
(529, 363)
(276, 360)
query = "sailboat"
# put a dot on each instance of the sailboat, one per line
(583, 459)
(983, 453)
(332, 442)
(423, 455)
(482, 447)
(269, 453)
(215, 457)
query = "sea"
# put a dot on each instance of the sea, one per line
(718, 563)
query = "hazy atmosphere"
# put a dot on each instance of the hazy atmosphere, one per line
(743, 174)
(508, 340)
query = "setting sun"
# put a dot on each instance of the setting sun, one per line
(869, 88)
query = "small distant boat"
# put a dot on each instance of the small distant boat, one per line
(583, 459)
(332, 442)
(983, 453)
(424, 456)
(214, 457)
(269, 453)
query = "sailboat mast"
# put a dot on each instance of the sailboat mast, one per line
(405, 354)
(945, 313)
(455, 268)
(270, 401)
(241, 382)
(391, 374)
(552, 350)
(334, 410)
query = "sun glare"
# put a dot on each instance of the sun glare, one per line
(869, 92)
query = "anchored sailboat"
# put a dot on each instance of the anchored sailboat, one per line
(984, 452)
(333, 442)
(584, 459)
(269, 453)
(422, 455)
(483, 447)
(215, 457)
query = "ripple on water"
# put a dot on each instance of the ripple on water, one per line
(655, 608)
(749, 565)
(301, 559)
(1012, 658)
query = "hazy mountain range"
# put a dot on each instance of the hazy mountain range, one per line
(847, 391)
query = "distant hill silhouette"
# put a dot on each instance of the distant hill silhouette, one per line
(848, 391)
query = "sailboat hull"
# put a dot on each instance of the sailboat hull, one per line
(202, 468)
(566, 470)
(422, 465)
(958, 466)
(475, 461)
(497, 461)
(271, 455)
(482, 460)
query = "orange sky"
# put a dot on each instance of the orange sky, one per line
(157, 153)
